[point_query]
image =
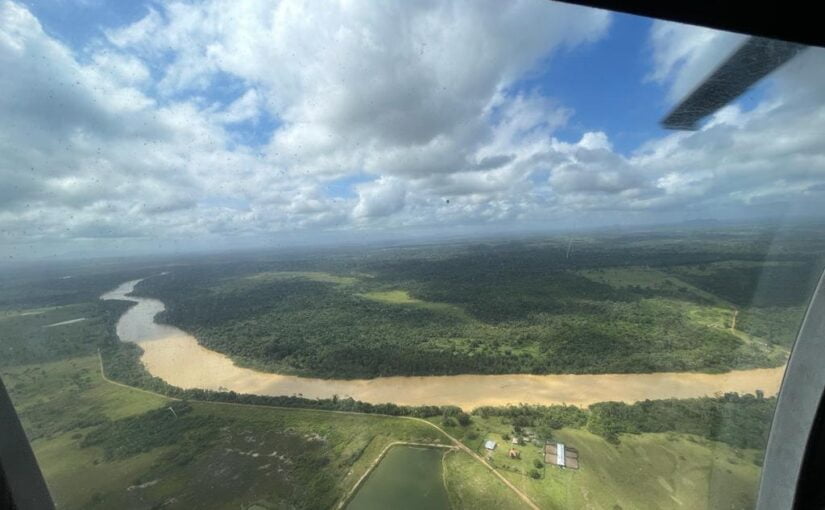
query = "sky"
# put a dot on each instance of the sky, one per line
(149, 126)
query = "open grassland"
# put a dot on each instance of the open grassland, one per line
(651, 279)
(394, 297)
(646, 471)
(402, 297)
(469, 485)
(106, 446)
(315, 276)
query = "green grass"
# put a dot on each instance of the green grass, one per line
(644, 471)
(402, 297)
(647, 278)
(59, 403)
(325, 453)
(648, 471)
(395, 297)
(316, 276)
(94, 440)
(470, 485)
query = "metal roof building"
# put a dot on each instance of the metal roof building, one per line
(559, 454)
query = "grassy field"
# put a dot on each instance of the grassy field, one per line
(105, 446)
(402, 297)
(315, 276)
(469, 485)
(649, 471)
(90, 439)
(645, 471)
(648, 278)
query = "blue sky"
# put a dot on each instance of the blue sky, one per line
(221, 120)
(627, 106)
(605, 85)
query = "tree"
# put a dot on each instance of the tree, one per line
(535, 474)
(464, 419)
(539, 464)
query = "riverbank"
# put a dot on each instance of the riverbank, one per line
(176, 357)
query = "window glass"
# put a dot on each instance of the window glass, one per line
(400, 255)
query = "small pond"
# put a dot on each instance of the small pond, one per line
(407, 478)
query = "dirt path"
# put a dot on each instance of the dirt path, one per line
(63, 323)
(134, 388)
(524, 497)
(733, 320)
(456, 443)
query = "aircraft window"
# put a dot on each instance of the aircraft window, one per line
(379, 255)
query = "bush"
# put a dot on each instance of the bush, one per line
(742, 421)
(535, 474)
(448, 422)
(539, 464)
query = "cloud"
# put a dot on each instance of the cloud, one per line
(684, 55)
(356, 80)
(383, 197)
(424, 108)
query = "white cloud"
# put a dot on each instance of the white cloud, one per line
(140, 136)
(684, 55)
(383, 197)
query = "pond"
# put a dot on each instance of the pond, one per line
(408, 477)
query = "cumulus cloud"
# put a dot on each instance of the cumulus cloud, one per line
(383, 197)
(185, 124)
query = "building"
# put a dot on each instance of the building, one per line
(559, 454)
(514, 454)
(490, 444)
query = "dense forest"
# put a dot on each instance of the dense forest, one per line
(742, 421)
(645, 302)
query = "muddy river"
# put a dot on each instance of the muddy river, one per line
(176, 357)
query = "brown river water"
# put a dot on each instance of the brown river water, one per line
(176, 357)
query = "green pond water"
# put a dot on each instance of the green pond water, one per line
(408, 477)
